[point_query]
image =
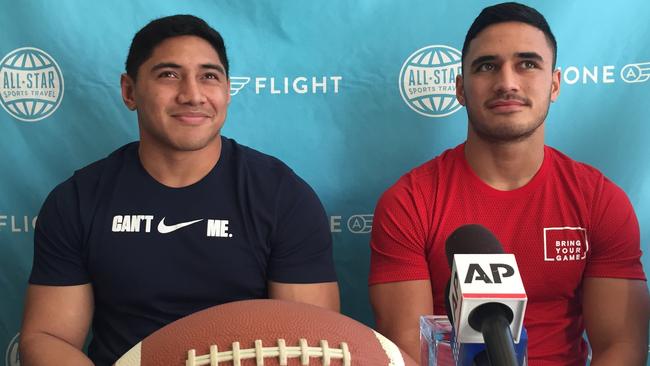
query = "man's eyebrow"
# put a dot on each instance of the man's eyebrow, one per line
(217, 67)
(482, 59)
(165, 65)
(524, 55)
(530, 55)
(171, 65)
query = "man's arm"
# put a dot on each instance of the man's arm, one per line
(616, 315)
(55, 325)
(398, 307)
(325, 294)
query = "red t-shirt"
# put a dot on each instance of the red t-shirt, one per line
(567, 223)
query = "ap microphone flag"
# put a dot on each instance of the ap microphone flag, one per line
(486, 299)
(478, 279)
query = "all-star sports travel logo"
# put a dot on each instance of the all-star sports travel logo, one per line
(31, 84)
(427, 80)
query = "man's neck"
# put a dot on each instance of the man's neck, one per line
(177, 169)
(505, 166)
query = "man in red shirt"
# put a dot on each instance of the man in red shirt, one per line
(574, 232)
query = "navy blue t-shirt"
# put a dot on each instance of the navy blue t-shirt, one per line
(154, 254)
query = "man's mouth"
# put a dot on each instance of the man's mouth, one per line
(507, 105)
(191, 117)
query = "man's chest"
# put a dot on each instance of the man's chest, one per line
(146, 244)
(548, 236)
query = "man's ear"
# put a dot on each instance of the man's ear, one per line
(555, 85)
(228, 90)
(460, 92)
(128, 90)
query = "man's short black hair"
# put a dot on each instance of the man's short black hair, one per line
(510, 12)
(160, 29)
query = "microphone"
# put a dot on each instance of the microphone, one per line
(486, 299)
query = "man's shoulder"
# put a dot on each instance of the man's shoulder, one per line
(584, 177)
(570, 170)
(80, 190)
(565, 162)
(421, 182)
(256, 161)
(114, 159)
(89, 176)
(426, 174)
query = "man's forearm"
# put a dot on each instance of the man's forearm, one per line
(621, 354)
(44, 350)
(410, 343)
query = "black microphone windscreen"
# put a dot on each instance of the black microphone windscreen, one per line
(471, 239)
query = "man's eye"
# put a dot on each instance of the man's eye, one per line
(529, 65)
(211, 76)
(167, 74)
(485, 67)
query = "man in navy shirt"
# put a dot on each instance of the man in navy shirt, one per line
(180, 221)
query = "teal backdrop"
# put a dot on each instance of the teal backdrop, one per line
(350, 94)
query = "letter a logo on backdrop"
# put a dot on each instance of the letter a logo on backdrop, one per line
(31, 84)
(636, 73)
(427, 81)
(11, 356)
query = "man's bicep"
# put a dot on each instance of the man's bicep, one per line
(616, 314)
(64, 312)
(58, 241)
(398, 239)
(324, 294)
(614, 248)
(301, 241)
(398, 307)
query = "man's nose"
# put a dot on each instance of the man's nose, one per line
(190, 92)
(507, 80)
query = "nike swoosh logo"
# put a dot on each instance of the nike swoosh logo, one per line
(166, 229)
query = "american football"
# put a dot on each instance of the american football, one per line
(265, 332)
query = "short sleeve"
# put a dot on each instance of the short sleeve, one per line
(58, 249)
(301, 242)
(398, 238)
(614, 240)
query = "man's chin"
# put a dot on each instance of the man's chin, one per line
(189, 146)
(504, 135)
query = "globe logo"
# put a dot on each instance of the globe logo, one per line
(11, 356)
(31, 84)
(427, 81)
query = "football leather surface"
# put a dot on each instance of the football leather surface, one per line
(266, 332)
